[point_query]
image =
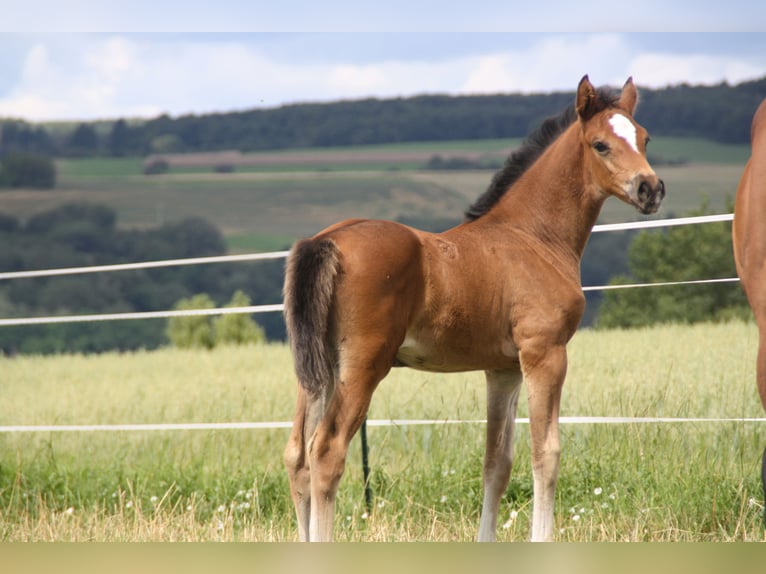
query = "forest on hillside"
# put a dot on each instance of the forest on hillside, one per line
(720, 113)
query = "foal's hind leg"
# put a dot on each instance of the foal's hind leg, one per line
(327, 451)
(502, 398)
(308, 413)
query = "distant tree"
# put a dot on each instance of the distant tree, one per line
(166, 143)
(26, 169)
(119, 139)
(683, 253)
(100, 217)
(237, 328)
(83, 141)
(18, 136)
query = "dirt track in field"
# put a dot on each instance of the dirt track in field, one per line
(236, 158)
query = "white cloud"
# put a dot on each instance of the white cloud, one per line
(555, 63)
(110, 76)
(657, 69)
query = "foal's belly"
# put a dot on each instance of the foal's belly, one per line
(450, 357)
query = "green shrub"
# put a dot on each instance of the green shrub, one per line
(237, 328)
(195, 331)
(206, 332)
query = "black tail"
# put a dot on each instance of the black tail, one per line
(310, 275)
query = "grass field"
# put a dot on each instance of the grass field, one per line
(690, 481)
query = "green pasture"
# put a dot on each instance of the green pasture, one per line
(679, 481)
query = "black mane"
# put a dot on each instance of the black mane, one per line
(532, 148)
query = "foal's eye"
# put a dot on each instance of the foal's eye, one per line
(601, 147)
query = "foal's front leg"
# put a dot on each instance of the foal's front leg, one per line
(544, 371)
(502, 398)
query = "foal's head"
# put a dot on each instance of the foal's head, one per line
(615, 154)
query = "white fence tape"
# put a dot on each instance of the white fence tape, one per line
(661, 284)
(139, 315)
(663, 222)
(144, 265)
(370, 423)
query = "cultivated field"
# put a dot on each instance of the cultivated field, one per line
(275, 197)
(679, 481)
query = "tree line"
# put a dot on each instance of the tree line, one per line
(721, 113)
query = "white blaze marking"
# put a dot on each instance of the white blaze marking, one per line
(625, 129)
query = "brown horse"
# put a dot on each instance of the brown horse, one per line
(749, 239)
(499, 293)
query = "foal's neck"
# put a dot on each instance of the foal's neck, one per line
(552, 200)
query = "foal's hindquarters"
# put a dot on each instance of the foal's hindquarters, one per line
(342, 351)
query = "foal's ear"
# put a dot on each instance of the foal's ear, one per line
(629, 96)
(586, 99)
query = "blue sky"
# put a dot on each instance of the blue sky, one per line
(139, 59)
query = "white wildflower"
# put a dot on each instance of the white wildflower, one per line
(511, 519)
(597, 491)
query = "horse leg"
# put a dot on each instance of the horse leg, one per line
(502, 398)
(544, 374)
(328, 448)
(308, 413)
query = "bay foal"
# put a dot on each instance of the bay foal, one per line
(499, 293)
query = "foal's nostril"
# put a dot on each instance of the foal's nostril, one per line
(661, 189)
(643, 191)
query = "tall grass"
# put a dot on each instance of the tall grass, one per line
(632, 482)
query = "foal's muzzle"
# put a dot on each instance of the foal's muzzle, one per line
(649, 197)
